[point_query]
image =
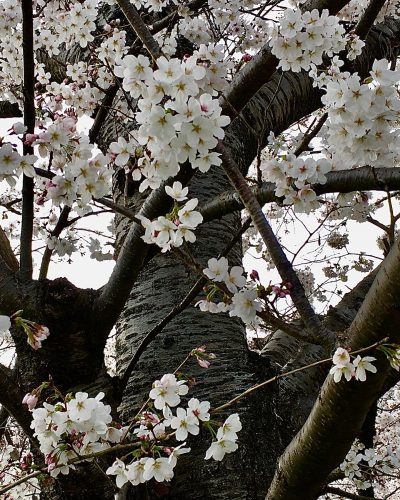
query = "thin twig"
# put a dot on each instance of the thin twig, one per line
(62, 223)
(346, 494)
(291, 372)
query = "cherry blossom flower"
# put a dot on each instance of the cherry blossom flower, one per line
(119, 469)
(362, 365)
(122, 150)
(199, 409)
(160, 468)
(167, 391)
(339, 370)
(80, 408)
(235, 279)
(185, 423)
(230, 428)
(217, 269)
(245, 304)
(135, 471)
(175, 453)
(188, 216)
(177, 192)
(219, 448)
(341, 357)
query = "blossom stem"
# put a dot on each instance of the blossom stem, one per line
(291, 372)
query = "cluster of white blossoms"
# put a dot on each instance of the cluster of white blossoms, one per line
(65, 246)
(234, 21)
(12, 164)
(342, 365)
(361, 118)
(293, 177)
(378, 466)
(355, 8)
(180, 119)
(354, 205)
(74, 428)
(244, 301)
(11, 60)
(355, 467)
(77, 428)
(299, 40)
(13, 462)
(360, 130)
(363, 465)
(153, 5)
(153, 429)
(80, 175)
(178, 225)
(70, 25)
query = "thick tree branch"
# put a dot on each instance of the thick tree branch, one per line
(62, 223)
(102, 112)
(9, 110)
(343, 181)
(131, 258)
(140, 28)
(11, 399)
(334, 6)
(341, 407)
(26, 265)
(6, 252)
(119, 209)
(345, 494)
(185, 302)
(4, 416)
(260, 69)
(317, 333)
(368, 18)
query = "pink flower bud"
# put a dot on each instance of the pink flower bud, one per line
(30, 400)
(203, 363)
(30, 139)
(254, 275)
